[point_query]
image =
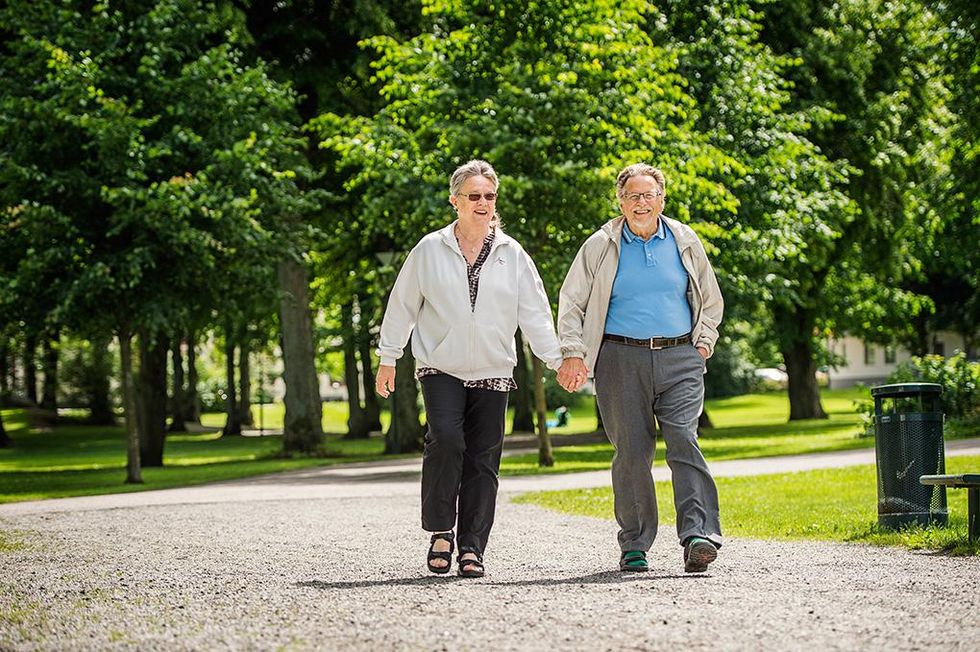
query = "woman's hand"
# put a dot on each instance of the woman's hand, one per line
(572, 374)
(384, 382)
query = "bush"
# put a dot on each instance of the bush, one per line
(213, 394)
(960, 380)
(731, 371)
(959, 377)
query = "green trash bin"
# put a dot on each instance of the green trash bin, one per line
(908, 445)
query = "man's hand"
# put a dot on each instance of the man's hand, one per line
(384, 382)
(572, 374)
(703, 351)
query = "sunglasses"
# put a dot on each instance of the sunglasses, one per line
(475, 196)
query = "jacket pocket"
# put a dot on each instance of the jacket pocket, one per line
(449, 354)
(492, 348)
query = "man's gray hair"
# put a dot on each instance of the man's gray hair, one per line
(474, 168)
(640, 170)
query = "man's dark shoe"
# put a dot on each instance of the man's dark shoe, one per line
(698, 553)
(634, 560)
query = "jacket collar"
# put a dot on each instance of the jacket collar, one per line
(449, 238)
(613, 229)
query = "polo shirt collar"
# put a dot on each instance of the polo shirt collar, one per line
(629, 236)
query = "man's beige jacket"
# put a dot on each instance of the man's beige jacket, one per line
(584, 299)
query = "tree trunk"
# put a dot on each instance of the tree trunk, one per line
(133, 471)
(545, 455)
(523, 396)
(804, 394)
(244, 385)
(303, 428)
(178, 406)
(30, 370)
(49, 394)
(5, 440)
(233, 426)
(704, 421)
(192, 400)
(100, 405)
(405, 432)
(598, 418)
(356, 423)
(4, 369)
(919, 346)
(153, 399)
(11, 366)
(372, 408)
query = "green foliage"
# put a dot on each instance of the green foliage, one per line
(145, 165)
(959, 378)
(557, 96)
(78, 373)
(866, 75)
(791, 207)
(731, 370)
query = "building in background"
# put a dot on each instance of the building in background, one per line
(870, 364)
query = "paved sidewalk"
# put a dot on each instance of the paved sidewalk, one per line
(401, 477)
(332, 559)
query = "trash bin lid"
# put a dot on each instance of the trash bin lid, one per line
(906, 389)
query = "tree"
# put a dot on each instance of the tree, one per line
(951, 271)
(148, 163)
(868, 82)
(522, 398)
(314, 46)
(557, 111)
(5, 440)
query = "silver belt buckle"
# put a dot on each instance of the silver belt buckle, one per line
(655, 348)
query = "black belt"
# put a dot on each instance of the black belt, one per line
(651, 342)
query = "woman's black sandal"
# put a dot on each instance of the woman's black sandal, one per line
(445, 556)
(470, 567)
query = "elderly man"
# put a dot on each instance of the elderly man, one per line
(639, 311)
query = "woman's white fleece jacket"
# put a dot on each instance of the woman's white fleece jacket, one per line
(431, 301)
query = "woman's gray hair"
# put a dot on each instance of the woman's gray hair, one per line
(475, 168)
(640, 170)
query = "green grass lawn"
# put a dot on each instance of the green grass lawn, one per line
(77, 460)
(72, 460)
(825, 504)
(753, 425)
(270, 417)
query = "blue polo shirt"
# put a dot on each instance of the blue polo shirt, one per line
(649, 294)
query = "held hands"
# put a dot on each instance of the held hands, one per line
(703, 351)
(572, 374)
(384, 382)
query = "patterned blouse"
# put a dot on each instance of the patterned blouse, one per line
(473, 275)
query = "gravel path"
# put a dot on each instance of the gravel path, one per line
(316, 561)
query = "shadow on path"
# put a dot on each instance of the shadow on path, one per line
(605, 577)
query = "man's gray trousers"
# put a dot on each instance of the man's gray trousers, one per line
(634, 384)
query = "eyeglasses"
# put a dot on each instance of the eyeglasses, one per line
(475, 196)
(637, 196)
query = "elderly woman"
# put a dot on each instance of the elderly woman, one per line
(461, 294)
(639, 310)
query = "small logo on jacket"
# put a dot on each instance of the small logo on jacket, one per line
(500, 261)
